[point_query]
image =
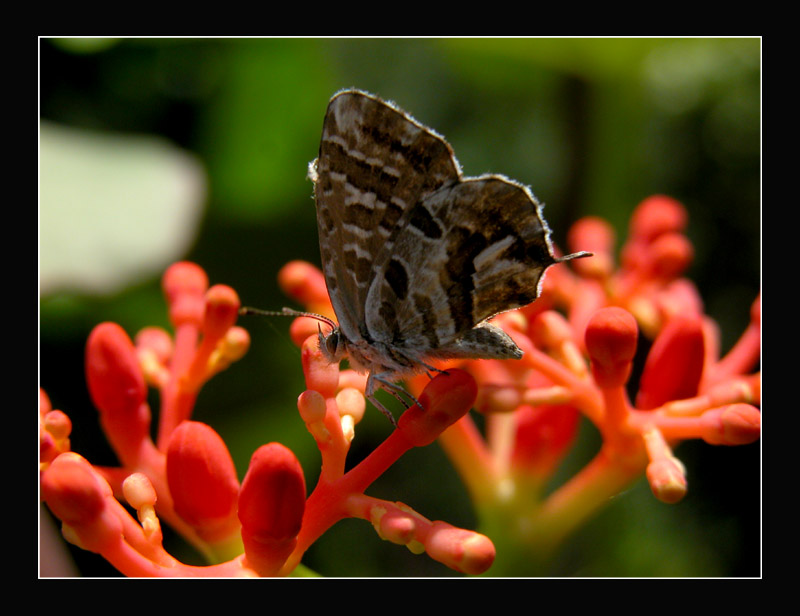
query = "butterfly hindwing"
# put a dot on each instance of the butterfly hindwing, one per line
(464, 253)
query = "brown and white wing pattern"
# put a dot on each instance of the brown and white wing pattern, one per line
(415, 256)
(374, 164)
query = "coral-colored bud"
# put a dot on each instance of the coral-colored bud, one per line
(311, 405)
(54, 434)
(44, 402)
(271, 506)
(58, 424)
(674, 365)
(157, 341)
(592, 234)
(549, 330)
(321, 375)
(235, 344)
(597, 236)
(667, 480)
(755, 312)
(498, 399)
(397, 526)
(445, 400)
(115, 380)
(117, 388)
(351, 378)
(611, 343)
(351, 402)
(463, 550)
(79, 497)
(73, 490)
(657, 215)
(735, 424)
(184, 286)
(154, 349)
(680, 298)
(202, 480)
(48, 449)
(222, 310)
(303, 282)
(273, 494)
(303, 327)
(670, 255)
(313, 408)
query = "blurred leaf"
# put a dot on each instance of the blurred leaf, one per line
(588, 58)
(113, 208)
(261, 131)
(85, 45)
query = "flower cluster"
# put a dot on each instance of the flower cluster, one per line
(579, 341)
(263, 526)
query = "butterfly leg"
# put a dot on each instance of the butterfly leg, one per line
(429, 369)
(375, 381)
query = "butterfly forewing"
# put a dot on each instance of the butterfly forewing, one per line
(374, 164)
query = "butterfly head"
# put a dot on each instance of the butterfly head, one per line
(333, 345)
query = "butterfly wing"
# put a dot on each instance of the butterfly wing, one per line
(462, 254)
(375, 163)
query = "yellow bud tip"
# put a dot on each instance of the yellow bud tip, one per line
(351, 402)
(463, 550)
(667, 480)
(311, 405)
(138, 491)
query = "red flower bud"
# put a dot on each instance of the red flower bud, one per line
(611, 343)
(657, 215)
(735, 424)
(117, 387)
(184, 286)
(202, 480)
(44, 402)
(83, 500)
(674, 365)
(303, 282)
(594, 235)
(670, 255)
(463, 550)
(221, 311)
(271, 506)
(157, 341)
(115, 380)
(73, 491)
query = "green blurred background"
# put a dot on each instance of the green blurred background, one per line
(156, 150)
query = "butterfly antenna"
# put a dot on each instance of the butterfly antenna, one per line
(286, 312)
(574, 255)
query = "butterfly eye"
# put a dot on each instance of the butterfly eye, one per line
(332, 343)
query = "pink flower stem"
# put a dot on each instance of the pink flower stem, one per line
(743, 356)
(177, 402)
(585, 395)
(328, 502)
(467, 451)
(584, 494)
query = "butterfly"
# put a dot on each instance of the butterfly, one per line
(417, 257)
